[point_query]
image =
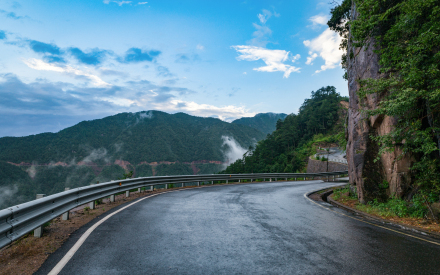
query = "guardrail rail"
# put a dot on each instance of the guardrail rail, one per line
(16, 221)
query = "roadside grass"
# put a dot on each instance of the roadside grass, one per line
(382, 212)
(392, 207)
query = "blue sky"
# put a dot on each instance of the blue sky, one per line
(62, 62)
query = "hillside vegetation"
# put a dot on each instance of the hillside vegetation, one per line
(319, 120)
(265, 123)
(133, 137)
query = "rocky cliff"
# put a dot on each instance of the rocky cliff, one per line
(318, 166)
(363, 63)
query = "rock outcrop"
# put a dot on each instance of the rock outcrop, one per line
(318, 166)
(366, 174)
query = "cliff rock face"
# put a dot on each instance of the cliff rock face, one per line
(317, 166)
(363, 63)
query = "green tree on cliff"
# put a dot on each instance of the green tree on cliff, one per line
(285, 150)
(408, 43)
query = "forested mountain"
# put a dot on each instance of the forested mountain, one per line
(264, 122)
(320, 119)
(147, 143)
(133, 137)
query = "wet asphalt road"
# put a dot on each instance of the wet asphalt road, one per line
(263, 228)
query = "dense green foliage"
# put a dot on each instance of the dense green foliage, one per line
(173, 169)
(17, 186)
(406, 34)
(110, 172)
(341, 15)
(151, 136)
(265, 123)
(289, 146)
(143, 170)
(397, 207)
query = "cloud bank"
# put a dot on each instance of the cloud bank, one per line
(56, 105)
(233, 150)
(326, 45)
(274, 59)
(38, 64)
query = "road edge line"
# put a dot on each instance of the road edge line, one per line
(306, 195)
(62, 263)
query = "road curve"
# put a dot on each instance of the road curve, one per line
(259, 228)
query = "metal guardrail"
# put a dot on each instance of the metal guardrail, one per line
(18, 220)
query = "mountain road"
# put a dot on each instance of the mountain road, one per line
(258, 228)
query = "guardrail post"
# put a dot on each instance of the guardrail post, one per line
(112, 198)
(65, 216)
(270, 179)
(198, 183)
(92, 203)
(251, 180)
(227, 181)
(183, 184)
(286, 179)
(239, 181)
(127, 193)
(166, 185)
(139, 190)
(38, 232)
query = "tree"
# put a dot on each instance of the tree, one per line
(408, 43)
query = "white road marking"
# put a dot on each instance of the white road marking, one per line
(62, 263)
(389, 229)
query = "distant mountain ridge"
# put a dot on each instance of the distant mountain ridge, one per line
(264, 122)
(135, 137)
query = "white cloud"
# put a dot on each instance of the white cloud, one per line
(263, 17)
(273, 58)
(311, 57)
(326, 45)
(142, 3)
(200, 47)
(233, 150)
(120, 3)
(319, 20)
(262, 32)
(119, 101)
(38, 64)
(225, 113)
(296, 57)
(260, 35)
